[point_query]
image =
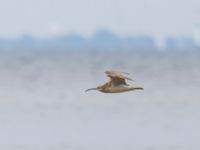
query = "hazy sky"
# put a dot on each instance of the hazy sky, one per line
(124, 17)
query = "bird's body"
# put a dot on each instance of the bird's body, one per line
(117, 83)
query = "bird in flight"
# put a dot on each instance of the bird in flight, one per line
(117, 83)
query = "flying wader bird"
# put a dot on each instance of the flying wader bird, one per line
(116, 84)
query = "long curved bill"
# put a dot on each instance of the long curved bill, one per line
(91, 89)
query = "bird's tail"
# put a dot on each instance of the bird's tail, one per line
(91, 89)
(138, 88)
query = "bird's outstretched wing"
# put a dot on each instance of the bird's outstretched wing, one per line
(117, 78)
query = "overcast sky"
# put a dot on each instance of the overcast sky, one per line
(42, 18)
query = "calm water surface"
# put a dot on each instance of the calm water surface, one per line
(43, 105)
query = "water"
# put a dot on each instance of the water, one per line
(43, 105)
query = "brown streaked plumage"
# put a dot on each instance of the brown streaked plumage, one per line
(116, 84)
